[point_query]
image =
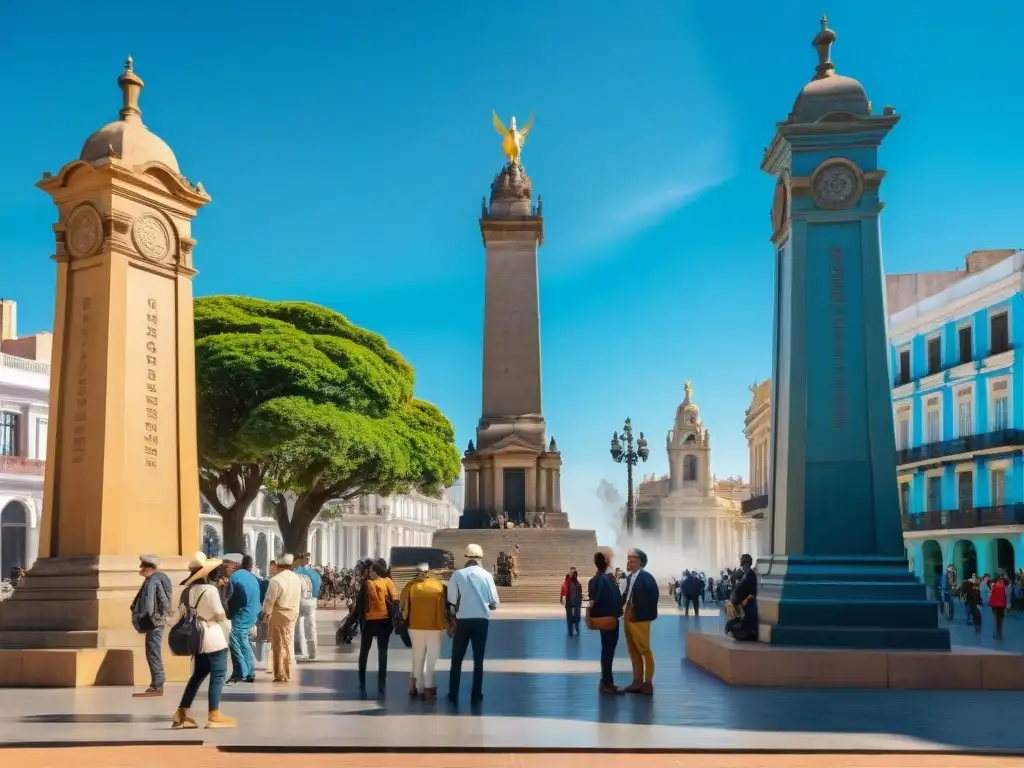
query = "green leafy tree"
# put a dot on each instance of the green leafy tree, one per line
(294, 397)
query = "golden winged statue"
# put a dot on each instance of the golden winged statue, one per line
(513, 139)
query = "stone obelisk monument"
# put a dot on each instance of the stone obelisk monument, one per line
(512, 471)
(121, 467)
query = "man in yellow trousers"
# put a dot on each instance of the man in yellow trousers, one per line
(640, 603)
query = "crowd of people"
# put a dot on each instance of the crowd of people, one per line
(999, 595)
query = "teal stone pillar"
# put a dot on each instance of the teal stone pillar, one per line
(837, 575)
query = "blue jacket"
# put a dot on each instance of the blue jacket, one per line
(645, 596)
(603, 593)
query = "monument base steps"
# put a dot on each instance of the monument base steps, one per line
(760, 665)
(69, 624)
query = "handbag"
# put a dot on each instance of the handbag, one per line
(601, 623)
(186, 636)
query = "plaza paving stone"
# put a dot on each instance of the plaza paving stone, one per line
(540, 693)
(208, 757)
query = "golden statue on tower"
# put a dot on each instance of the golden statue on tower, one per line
(513, 139)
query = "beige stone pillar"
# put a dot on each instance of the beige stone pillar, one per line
(531, 489)
(121, 463)
(498, 486)
(557, 491)
(472, 488)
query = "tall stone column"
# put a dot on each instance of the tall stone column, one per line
(121, 463)
(497, 485)
(531, 488)
(837, 575)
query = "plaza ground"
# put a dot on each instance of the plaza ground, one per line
(539, 694)
(209, 757)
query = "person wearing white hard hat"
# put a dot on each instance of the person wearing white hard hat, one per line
(472, 595)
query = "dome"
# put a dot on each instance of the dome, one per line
(132, 142)
(828, 92)
(833, 93)
(127, 138)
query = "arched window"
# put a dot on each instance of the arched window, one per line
(262, 555)
(13, 538)
(211, 541)
(690, 469)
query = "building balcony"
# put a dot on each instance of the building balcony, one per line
(754, 504)
(1003, 438)
(970, 517)
(20, 465)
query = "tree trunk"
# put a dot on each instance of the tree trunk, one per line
(295, 530)
(243, 482)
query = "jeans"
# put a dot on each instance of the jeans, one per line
(998, 614)
(379, 630)
(216, 666)
(572, 618)
(154, 655)
(609, 640)
(243, 662)
(468, 631)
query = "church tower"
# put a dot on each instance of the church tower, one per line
(689, 450)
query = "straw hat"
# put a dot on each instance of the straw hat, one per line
(200, 566)
(474, 552)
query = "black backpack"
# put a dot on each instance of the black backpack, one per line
(186, 636)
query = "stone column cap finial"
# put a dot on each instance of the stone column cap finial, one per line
(511, 185)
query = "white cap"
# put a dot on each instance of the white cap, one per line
(285, 560)
(423, 567)
(474, 552)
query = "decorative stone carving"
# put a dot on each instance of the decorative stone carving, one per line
(511, 184)
(151, 237)
(84, 231)
(836, 185)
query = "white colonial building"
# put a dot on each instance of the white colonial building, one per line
(690, 507)
(368, 526)
(24, 405)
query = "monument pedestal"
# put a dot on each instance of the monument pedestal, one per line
(845, 602)
(67, 625)
(760, 665)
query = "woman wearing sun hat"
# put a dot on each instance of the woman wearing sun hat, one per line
(202, 595)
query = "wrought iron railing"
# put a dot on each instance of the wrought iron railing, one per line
(970, 517)
(1003, 438)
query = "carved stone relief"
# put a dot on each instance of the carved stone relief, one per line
(151, 238)
(84, 231)
(836, 185)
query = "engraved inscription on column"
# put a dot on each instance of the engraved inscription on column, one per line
(151, 437)
(81, 373)
(837, 312)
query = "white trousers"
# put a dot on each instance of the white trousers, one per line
(305, 629)
(426, 647)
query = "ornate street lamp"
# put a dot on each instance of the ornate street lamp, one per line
(624, 452)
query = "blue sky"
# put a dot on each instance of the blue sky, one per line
(346, 147)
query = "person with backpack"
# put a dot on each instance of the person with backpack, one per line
(150, 610)
(201, 629)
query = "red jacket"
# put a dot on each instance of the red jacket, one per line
(565, 586)
(997, 598)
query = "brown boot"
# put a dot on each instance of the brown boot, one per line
(430, 694)
(217, 720)
(610, 689)
(413, 692)
(182, 720)
(647, 688)
(633, 687)
(150, 693)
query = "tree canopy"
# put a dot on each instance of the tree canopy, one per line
(293, 395)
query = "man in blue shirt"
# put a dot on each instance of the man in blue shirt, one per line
(472, 596)
(305, 628)
(243, 606)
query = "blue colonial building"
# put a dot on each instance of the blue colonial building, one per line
(957, 394)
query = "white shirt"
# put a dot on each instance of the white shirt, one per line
(631, 579)
(284, 595)
(473, 590)
(205, 599)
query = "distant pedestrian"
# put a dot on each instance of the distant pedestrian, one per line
(997, 602)
(572, 599)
